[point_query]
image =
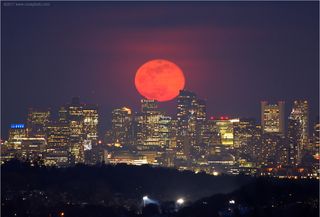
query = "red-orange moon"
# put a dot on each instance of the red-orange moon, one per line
(159, 79)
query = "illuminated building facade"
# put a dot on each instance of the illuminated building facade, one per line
(191, 118)
(225, 126)
(293, 137)
(300, 112)
(57, 152)
(151, 124)
(33, 149)
(122, 129)
(185, 121)
(210, 135)
(138, 132)
(191, 142)
(247, 139)
(316, 141)
(167, 132)
(221, 160)
(272, 117)
(76, 139)
(12, 148)
(83, 124)
(16, 133)
(63, 115)
(90, 125)
(37, 122)
(201, 118)
(274, 151)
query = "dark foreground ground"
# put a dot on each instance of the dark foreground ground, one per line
(116, 191)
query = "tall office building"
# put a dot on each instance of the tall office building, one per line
(167, 132)
(37, 122)
(17, 132)
(274, 151)
(82, 120)
(12, 148)
(211, 133)
(226, 130)
(185, 122)
(247, 139)
(76, 138)
(316, 140)
(293, 140)
(90, 125)
(149, 106)
(191, 118)
(122, 130)
(300, 112)
(57, 151)
(138, 132)
(151, 124)
(201, 114)
(33, 149)
(63, 115)
(272, 117)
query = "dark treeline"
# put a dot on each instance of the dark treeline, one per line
(85, 182)
(106, 190)
(265, 197)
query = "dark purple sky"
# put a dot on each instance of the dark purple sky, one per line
(234, 54)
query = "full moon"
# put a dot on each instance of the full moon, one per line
(159, 79)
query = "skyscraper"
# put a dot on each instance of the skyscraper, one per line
(226, 130)
(76, 138)
(185, 121)
(90, 124)
(274, 151)
(17, 132)
(293, 136)
(211, 134)
(122, 131)
(300, 113)
(316, 140)
(12, 147)
(149, 105)
(247, 139)
(167, 132)
(33, 149)
(151, 123)
(191, 118)
(272, 117)
(82, 120)
(58, 144)
(37, 122)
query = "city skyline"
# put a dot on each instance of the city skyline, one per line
(54, 112)
(160, 109)
(190, 140)
(234, 58)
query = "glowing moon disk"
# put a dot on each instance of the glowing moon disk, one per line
(160, 80)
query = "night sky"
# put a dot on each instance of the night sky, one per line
(233, 54)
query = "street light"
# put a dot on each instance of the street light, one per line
(145, 198)
(180, 201)
(232, 201)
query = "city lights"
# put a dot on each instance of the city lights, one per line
(215, 173)
(160, 109)
(227, 145)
